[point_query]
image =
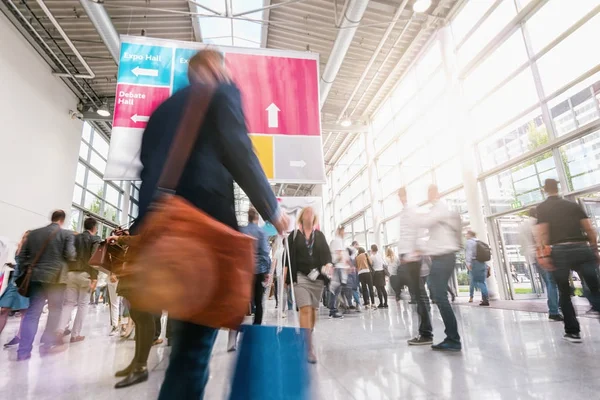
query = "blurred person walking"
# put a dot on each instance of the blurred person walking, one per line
(221, 154)
(378, 266)
(363, 264)
(81, 280)
(339, 278)
(527, 236)
(309, 257)
(445, 239)
(263, 262)
(568, 241)
(412, 262)
(11, 300)
(45, 254)
(477, 268)
(392, 262)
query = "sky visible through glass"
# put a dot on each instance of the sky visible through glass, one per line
(228, 31)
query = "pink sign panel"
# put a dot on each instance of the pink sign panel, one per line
(135, 104)
(280, 94)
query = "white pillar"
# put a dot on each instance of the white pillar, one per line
(373, 185)
(459, 127)
(125, 203)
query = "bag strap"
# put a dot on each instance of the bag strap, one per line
(187, 133)
(43, 248)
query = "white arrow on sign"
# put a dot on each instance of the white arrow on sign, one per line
(298, 164)
(139, 118)
(273, 111)
(137, 71)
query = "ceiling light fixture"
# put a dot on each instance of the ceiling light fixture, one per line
(346, 122)
(421, 6)
(103, 110)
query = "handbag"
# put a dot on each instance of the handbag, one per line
(108, 258)
(263, 347)
(24, 280)
(184, 260)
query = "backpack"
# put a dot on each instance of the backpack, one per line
(483, 253)
(83, 248)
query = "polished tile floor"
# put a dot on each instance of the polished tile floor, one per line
(506, 354)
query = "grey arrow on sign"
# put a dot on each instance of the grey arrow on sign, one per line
(137, 71)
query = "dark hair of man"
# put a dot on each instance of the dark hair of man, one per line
(471, 233)
(252, 215)
(355, 243)
(361, 250)
(58, 215)
(89, 223)
(374, 248)
(551, 186)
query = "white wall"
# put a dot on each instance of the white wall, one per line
(39, 143)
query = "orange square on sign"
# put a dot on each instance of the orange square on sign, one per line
(263, 147)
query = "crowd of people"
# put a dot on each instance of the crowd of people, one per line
(53, 264)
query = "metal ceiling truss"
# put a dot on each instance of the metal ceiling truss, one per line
(374, 42)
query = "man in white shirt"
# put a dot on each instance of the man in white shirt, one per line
(411, 260)
(340, 274)
(445, 239)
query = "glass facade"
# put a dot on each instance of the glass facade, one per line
(529, 89)
(92, 195)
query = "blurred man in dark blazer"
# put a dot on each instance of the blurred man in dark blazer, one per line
(48, 281)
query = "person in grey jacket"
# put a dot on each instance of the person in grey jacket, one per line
(48, 281)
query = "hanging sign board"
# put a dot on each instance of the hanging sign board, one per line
(280, 96)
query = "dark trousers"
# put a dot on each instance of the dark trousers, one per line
(259, 293)
(400, 280)
(381, 292)
(420, 296)
(442, 268)
(187, 373)
(145, 329)
(366, 284)
(581, 259)
(38, 294)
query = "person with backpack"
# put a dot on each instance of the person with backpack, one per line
(81, 279)
(477, 253)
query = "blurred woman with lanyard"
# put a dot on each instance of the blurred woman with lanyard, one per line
(310, 258)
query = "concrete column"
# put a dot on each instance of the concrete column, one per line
(373, 180)
(459, 127)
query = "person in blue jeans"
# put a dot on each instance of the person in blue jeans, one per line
(445, 239)
(568, 241)
(220, 153)
(477, 269)
(527, 233)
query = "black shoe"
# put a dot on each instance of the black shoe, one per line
(137, 376)
(386, 306)
(336, 315)
(484, 303)
(14, 342)
(124, 372)
(573, 337)
(421, 341)
(447, 346)
(380, 306)
(556, 317)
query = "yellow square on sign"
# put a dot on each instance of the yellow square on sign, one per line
(263, 147)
